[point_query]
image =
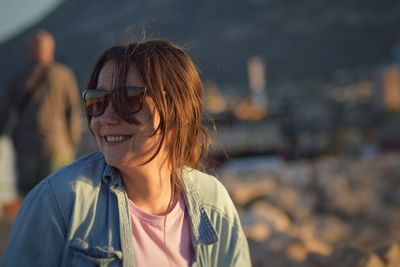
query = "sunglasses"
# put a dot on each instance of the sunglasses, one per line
(96, 100)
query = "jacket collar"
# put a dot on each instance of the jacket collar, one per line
(110, 174)
(202, 229)
(112, 177)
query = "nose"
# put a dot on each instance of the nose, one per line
(109, 115)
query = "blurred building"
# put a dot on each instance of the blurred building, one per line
(255, 106)
(391, 88)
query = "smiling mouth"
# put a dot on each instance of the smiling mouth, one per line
(116, 138)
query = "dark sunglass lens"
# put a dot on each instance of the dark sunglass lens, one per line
(135, 103)
(135, 99)
(95, 106)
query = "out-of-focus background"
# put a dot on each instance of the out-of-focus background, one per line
(304, 97)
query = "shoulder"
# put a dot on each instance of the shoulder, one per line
(86, 172)
(211, 193)
(87, 169)
(61, 189)
(60, 70)
(206, 184)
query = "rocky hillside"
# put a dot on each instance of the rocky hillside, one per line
(298, 39)
(333, 211)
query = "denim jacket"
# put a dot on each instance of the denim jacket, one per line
(79, 216)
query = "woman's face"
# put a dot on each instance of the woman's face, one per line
(125, 144)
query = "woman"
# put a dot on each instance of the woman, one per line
(140, 201)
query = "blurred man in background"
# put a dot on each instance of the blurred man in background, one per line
(41, 112)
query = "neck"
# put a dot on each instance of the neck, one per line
(149, 186)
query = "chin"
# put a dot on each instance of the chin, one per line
(119, 161)
(112, 159)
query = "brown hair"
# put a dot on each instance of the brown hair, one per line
(173, 83)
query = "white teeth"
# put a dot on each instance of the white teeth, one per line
(116, 138)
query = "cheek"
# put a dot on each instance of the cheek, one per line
(94, 125)
(143, 117)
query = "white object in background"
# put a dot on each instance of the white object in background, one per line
(8, 190)
(256, 68)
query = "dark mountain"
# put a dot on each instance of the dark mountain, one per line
(298, 39)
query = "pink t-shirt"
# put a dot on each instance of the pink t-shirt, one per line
(155, 247)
